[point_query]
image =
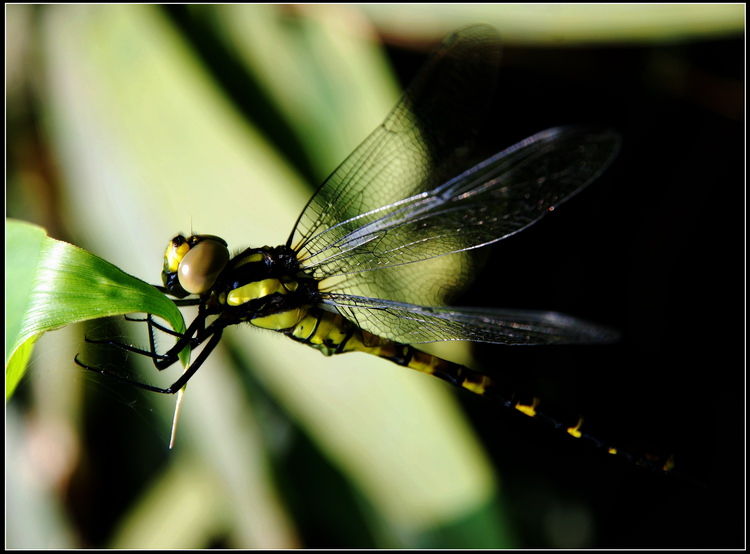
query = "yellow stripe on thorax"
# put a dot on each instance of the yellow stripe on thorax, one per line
(253, 291)
(260, 289)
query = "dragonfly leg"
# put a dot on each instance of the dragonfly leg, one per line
(193, 337)
(174, 387)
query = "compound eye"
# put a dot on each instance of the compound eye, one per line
(201, 266)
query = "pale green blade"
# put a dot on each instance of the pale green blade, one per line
(50, 284)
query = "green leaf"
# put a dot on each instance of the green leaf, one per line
(50, 284)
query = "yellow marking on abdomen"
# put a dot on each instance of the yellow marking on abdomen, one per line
(575, 431)
(528, 410)
(448, 371)
(423, 362)
(669, 464)
(326, 332)
(477, 388)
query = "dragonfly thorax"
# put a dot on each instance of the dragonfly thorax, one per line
(263, 286)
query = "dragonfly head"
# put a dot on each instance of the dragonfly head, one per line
(192, 264)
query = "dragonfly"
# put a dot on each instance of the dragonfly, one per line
(352, 276)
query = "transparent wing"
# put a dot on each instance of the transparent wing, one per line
(412, 324)
(489, 202)
(423, 142)
(405, 194)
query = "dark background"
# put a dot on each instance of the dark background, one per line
(655, 250)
